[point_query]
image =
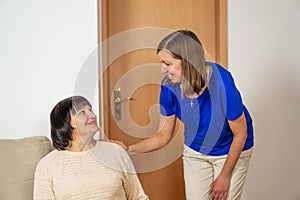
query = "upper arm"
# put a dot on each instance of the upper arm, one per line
(133, 187)
(42, 184)
(231, 98)
(238, 126)
(168, 127)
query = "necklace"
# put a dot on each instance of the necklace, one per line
(191, 103)
(195, 96)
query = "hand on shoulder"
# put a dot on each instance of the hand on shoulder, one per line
(116, 142)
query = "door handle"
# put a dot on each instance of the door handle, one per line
(117, 103)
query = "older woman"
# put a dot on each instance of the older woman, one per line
(81, 167)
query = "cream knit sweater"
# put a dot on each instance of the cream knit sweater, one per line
(104, 172)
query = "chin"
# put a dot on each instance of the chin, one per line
(95, 130)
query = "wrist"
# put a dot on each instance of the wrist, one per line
(226, 176)
(130, 148)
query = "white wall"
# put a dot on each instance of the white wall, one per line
(43, 45)
(264, 56)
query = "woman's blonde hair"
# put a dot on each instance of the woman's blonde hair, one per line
(185, 46)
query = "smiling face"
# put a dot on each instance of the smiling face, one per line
(84, 121)
(170, 66)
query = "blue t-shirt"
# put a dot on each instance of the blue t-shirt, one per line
(206, 128)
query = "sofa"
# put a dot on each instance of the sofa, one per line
(18, 160)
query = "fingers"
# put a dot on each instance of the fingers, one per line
(119, 143)
(218, 196)
(219, 189)
(225, 195)
(116, 142)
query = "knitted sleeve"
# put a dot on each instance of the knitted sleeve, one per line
(43, 188)
(131, 182)
(133, 188)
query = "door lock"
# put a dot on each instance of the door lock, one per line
(117, 103)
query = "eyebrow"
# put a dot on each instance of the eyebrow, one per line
(82, 108)
(168, 62)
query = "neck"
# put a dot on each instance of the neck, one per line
(195, 95)
(80, 145)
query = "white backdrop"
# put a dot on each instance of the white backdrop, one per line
(264, 56)
(43, 45)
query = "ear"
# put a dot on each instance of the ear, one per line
(74, 135)
(73, 122)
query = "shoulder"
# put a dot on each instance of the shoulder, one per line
(49, 161)
(170, 89)
(114, 156)
(110, 146)
(218, 71)
(219, 68)
(110, 151)
(53, 155)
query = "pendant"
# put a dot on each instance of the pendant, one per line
(191, 103)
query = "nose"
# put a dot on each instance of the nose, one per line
(163, 69)
(92, 115)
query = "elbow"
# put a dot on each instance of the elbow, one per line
(241, 137)
(164, 139)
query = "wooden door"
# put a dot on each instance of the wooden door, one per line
(130, 31)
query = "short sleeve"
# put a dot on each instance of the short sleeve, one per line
(231, 98)
(166, 101)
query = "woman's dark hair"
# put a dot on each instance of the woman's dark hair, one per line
(185, 46)
(60, 119)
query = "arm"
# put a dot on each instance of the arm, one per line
(42, 183)
(158, 140)
(133, 187)
(239, 129)
(131, 183)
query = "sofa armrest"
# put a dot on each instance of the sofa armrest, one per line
(18, 160)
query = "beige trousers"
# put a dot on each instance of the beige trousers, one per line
(200, 170)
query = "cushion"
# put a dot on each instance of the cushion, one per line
(18, 160)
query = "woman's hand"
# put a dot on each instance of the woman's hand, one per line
(116, 142)
(219, 188)
(120, 143)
